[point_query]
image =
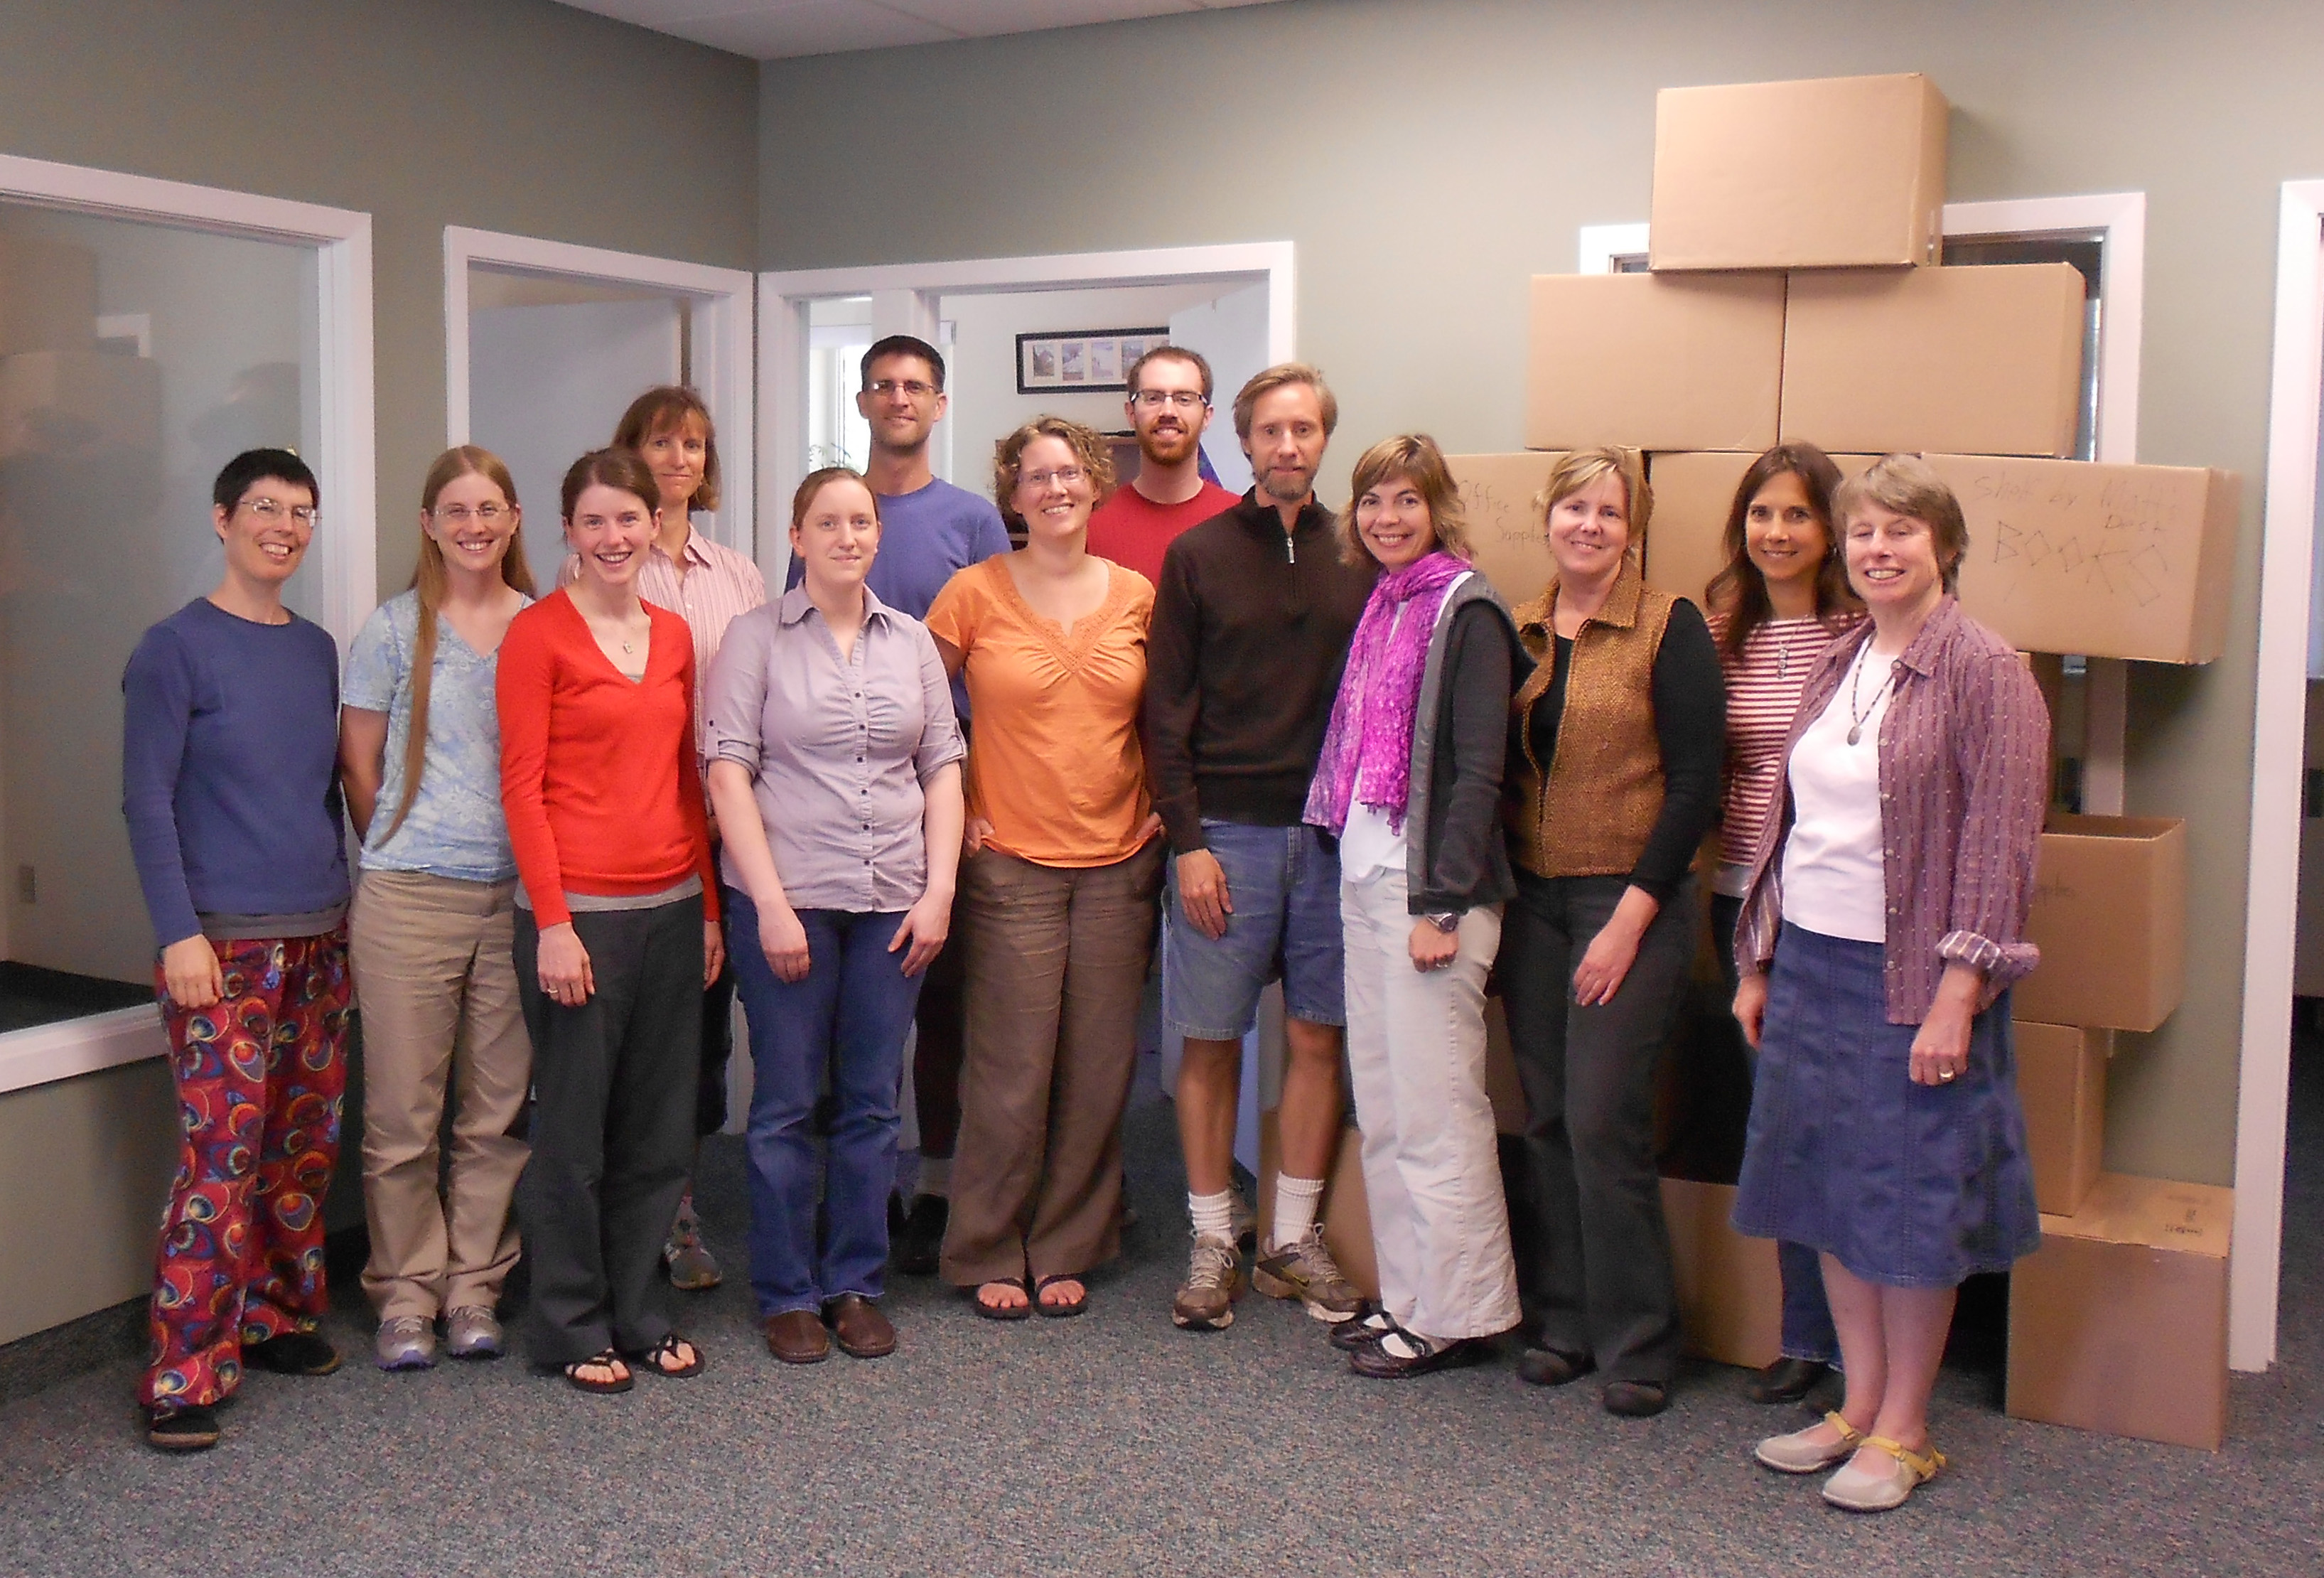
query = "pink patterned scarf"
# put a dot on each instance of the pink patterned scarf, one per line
(1379, 695)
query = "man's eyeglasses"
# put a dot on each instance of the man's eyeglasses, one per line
(913, 387)
(272, 511)
(1156, 399)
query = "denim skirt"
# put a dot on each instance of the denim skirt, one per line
(1908, 1185)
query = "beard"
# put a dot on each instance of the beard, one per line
(1287, 487)
(1166, 448)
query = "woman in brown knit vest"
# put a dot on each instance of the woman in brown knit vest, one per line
(1615, 747)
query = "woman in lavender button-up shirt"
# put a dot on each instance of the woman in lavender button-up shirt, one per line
(1884, 925)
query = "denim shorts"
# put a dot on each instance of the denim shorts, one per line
(1284, 883)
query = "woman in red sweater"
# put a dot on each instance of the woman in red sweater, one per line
(616, 933)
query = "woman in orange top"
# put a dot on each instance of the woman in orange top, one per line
(1059, 883)
(617, 932)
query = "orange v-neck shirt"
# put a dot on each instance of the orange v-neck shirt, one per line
(1054, 760)
(598, 773)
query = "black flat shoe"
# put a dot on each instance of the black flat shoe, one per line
(915, 1249)
(1370, 1324)
(1635, 1400)
(1786, 1380)
(1548, 1367)
(292, 1353)
(1376, 1361)
(194, 1429)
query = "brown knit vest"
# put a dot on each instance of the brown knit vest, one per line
(1590, 811)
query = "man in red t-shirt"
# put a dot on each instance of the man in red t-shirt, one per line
(1169, 407)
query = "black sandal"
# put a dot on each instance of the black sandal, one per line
(1064, 1311)
(1002, 1312)
(663, 1360)
(621, 1381)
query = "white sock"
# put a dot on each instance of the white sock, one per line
(936, 1176)
(1212, 1214)
(1296, 1200)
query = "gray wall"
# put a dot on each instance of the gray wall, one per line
(517, 115)
(1426, 159)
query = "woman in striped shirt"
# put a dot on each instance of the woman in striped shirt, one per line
(1780, 602)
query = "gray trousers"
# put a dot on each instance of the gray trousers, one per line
(613, 1127)
(1593, 1260)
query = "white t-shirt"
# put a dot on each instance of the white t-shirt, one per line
(1834, 878)
(1368, 845)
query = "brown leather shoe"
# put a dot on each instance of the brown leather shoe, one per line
(861, 1328)
(797, 1337)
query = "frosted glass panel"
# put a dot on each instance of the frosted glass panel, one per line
(135, 359)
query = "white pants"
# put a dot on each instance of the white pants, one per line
(1432, 1164)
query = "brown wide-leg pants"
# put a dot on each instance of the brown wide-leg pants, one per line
(1056, 965)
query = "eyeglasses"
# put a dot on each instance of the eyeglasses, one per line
(1156, 399)
(1042, 481)
(457, 515)
(884, 387)
(270, 511)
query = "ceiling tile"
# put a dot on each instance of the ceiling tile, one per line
(769, 29)
(811, 27)
(984, 18)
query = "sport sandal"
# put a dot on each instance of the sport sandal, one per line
(674, 1358)
(617, 1379)
(1854, 1489)
(1796, 1454)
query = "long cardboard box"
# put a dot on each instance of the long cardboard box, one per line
(48, 296)
(1497, 502)
(80, 403)
(1965, 361)
(1345, 1213)
(2108, 561)
(2119, 1322)
(1839, 172)
(2061, 1085)
(1655, 362)
(2110, 914)
(1730, 1291)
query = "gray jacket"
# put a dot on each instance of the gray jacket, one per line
(1455, 858)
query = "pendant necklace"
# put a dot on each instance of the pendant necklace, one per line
(1857, 718)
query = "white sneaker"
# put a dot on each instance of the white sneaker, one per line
(405, 1342)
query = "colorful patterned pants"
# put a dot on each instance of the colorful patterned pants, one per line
(260, 1074)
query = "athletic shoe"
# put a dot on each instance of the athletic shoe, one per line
(405, 1342)
(1213, 1282)
(473, 1332)
(1306, 1271)
(692, 1266)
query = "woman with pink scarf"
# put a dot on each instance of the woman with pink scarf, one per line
(1410, 781)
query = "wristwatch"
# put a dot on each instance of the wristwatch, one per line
(1447, 921)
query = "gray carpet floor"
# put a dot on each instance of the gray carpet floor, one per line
(1111, 1443)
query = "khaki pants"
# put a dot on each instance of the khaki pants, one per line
(436, 989)
(1057, 966)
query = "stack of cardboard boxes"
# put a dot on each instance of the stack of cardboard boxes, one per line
(1795, 293)
(59, 395)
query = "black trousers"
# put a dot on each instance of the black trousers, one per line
(613, 1127)
(1593, 1255)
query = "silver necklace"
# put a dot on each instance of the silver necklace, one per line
(1856, 717)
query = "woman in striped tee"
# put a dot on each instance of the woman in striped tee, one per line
(1781, 599)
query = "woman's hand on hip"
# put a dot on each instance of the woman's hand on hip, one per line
(783, 940)
(974, 833)
(1751, 1007)
(1433, 949)
(192, 973)
(564, 974)
(926, 926)
(713, 953)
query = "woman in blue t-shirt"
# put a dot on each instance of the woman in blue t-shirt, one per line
(434, 921)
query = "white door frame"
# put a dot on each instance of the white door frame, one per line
(2279, 745)
(723, 370)
(904, 300)
(345, 556)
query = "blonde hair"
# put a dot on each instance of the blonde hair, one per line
(1581, 467)
(1088, 445)
(1908, 485)
(429, 580)
(1264, 383)
(1415, 458)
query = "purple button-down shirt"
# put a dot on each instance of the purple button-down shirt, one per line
(1964, 773)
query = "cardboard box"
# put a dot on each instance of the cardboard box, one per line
(1655, 362)
(2108, 561)
(2119, 1322)
(69, 403)
(1496, 495)
(2061, 1085)
(1837, 172)
(1965, 361)
(48, 296)
(1730, 1291)
(1502, 1086)
(2110, 914)
(1347, 1216)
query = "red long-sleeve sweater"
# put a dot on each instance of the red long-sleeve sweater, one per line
(599, 774)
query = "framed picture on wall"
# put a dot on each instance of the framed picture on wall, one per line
(1094, 361)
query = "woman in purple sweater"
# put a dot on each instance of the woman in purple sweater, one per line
(230, 787)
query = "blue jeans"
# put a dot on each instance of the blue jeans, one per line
(849, 1015)
(1284, 883)
(1808, 1331)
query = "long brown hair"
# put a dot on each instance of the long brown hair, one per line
(429, 580)
(1738, 591)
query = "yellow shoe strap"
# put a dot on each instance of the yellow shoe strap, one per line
(1923, 1467)
(1850, 1436)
